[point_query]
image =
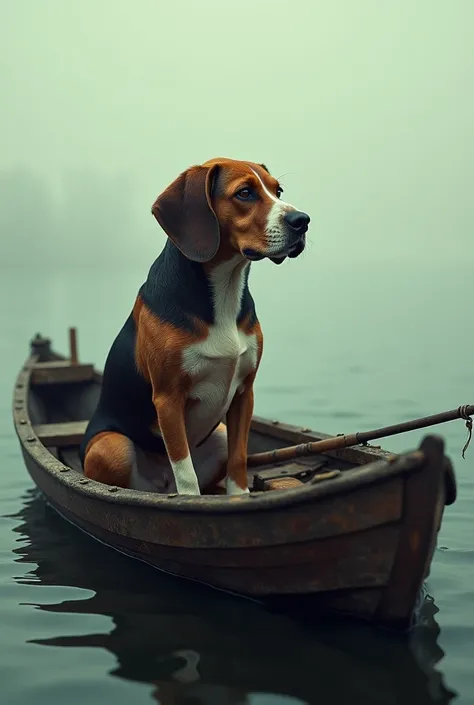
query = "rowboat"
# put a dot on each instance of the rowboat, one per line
(351, 530)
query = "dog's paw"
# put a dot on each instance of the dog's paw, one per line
(233, 489)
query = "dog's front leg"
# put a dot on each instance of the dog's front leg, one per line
(170, 413)
(238, 420)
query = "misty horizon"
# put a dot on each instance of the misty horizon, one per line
(364, 122)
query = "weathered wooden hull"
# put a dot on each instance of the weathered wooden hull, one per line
(360, 543)
(240, 647)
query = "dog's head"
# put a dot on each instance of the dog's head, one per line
(232, 204)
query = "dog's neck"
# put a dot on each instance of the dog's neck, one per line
(228, 280)
(181, 291)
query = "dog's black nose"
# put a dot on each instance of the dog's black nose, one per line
(298, 221)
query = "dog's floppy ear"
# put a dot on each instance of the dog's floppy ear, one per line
(184, 211)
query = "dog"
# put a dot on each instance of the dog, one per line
(187, 356)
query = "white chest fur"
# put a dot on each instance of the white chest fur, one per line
(219, 364)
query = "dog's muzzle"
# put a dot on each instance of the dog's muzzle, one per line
(292, 251)
(295, 226)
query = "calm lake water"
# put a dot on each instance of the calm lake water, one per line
(346, 349)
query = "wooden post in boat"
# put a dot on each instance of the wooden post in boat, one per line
(73, 346)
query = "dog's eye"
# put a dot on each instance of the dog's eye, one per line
(245, 194)
(279, 191)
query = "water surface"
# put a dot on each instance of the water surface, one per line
(94, 625)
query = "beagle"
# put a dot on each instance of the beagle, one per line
(187, 355)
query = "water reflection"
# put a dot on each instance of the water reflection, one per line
(194, 645)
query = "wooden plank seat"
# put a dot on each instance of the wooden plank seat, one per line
(59, 435)
(60, 372)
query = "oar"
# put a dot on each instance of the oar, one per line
(273, 456)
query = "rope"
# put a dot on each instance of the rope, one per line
(464, 415)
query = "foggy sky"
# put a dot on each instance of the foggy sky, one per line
(366, 107)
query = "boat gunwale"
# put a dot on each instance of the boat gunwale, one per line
(380, 467)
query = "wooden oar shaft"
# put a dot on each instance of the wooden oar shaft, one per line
(353, 439)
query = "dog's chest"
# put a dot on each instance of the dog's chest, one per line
(217, 367)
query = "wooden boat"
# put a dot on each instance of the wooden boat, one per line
(355, 535)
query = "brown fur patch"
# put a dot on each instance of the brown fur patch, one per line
(158, 350)
(158, 354)
(239, 417)
(109, 459)
(185, 213)
(242, 224)
(240, 414)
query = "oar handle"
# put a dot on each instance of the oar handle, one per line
(280, 454)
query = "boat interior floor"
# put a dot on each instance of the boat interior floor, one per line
(59, 408)
(280, 476)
